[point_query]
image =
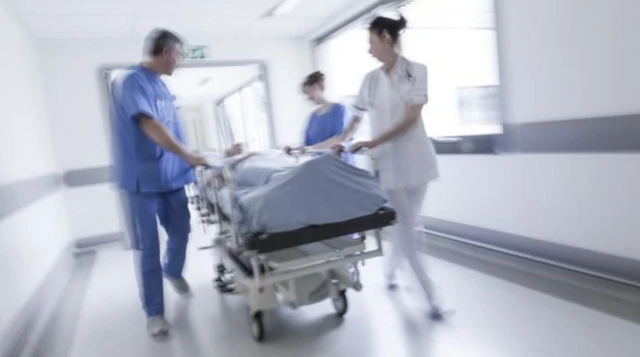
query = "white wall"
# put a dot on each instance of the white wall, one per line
(33, 238)
(570, 59)
(211, 126)
(74, 94)
(567, 59)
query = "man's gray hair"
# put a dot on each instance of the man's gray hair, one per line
(159, 40)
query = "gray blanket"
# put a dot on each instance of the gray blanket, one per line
(283, 198)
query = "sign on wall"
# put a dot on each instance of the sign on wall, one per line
(195, 52)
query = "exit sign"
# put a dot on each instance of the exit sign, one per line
(195, 52)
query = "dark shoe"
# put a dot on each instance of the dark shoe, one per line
(180, 285)
(436, 314)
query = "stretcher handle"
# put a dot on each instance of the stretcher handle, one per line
(303, 152)
(341, 148)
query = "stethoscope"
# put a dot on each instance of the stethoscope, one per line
(406, 76)
(409, 76)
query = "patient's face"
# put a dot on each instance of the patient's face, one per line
(235, 149)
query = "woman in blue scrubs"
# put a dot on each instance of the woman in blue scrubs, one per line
(328, 120)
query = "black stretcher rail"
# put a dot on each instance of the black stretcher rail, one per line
(266, 243)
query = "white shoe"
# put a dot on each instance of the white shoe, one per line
(180, 285)
(157, 326)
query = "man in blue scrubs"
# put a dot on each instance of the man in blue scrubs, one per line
(152, 168)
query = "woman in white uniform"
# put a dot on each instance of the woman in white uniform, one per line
(394, 96)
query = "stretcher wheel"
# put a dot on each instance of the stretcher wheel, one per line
(340, 303)
(257, 327)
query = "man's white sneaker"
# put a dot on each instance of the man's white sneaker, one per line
(157, 326)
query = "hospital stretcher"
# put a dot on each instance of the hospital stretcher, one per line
(294, 268)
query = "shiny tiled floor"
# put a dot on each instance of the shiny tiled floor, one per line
(504, 308)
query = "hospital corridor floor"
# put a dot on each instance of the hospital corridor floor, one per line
(504, 307)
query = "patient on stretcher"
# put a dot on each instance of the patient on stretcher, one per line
(273, 194)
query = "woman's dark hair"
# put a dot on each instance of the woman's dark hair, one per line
(313, 78)
(393, 27)
(159, 40)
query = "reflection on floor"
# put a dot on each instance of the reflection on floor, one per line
(505, 307)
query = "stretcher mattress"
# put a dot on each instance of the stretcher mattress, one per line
(274, 198)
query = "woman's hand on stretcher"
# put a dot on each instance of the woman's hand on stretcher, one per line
(361, 146)
(338, 149)
(355, 148)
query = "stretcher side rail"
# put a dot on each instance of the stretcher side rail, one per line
(280, 276)
(267, 243)
(221, 176)
(249, 264)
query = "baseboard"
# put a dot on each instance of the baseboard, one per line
(88, 243)
(603, 265)
(27, 325)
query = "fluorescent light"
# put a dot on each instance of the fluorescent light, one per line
(284, 7)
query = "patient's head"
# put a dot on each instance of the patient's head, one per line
(235, 149)
(313, 87)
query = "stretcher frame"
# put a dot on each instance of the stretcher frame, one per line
(260, 271)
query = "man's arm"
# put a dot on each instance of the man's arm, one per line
(160, 135)
(136, 101)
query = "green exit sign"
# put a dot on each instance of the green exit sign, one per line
(195, 52)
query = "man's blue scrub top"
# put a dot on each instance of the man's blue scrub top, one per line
(141, 165)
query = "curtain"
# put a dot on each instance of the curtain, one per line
(225, 133)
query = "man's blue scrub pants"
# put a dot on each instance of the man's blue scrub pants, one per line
(172, 210)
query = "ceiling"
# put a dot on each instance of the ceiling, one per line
(196, 85)
(441, 14)
(216, 19)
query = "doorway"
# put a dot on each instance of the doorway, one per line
(218, 103)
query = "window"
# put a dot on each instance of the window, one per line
(456, 39)
(345, 60)
(243, 117)
(256, 117)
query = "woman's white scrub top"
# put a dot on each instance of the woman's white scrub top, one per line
(408, 160)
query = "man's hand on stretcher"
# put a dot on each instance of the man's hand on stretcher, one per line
(160, 135)
(196, 160)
